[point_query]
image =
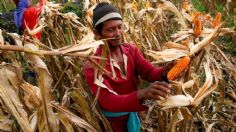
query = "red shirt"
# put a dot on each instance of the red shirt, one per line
(30, 18)
(126, 88)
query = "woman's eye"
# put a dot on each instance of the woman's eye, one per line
(110, 29)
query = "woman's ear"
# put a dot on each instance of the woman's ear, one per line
(96, 33)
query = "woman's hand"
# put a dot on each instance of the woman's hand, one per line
(154, 91)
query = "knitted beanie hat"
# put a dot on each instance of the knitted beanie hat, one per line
(103, 12)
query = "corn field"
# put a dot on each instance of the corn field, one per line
(202, 99)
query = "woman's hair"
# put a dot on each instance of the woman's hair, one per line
(98, 28)
(104, 12)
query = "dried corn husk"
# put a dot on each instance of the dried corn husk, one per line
(12, 101)
(73, 118)
(168, 54)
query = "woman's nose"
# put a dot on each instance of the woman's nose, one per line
(117, 32)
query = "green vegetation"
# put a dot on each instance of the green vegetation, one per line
(199, 5)
(77, 8)
(228, 45)
(220, 8)
(6, 7)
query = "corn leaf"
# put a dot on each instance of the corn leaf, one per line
(12, 101)
(74, 119)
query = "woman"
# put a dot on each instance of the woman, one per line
(119, 96)
(27, 15)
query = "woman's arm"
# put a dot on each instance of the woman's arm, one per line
(110, 101)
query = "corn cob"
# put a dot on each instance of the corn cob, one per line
(196, 15)
(217, 20)
(178, 68)
(197, 25)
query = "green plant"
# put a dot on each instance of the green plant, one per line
(6, 7)
(199, 5)
(220, 8)
(77, 8)
(229, 46)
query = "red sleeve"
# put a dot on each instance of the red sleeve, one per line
(30, 18)
(145, 69)
(112, 102)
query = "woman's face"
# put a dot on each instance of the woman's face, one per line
(113, 29)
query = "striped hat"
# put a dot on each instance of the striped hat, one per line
(103, 12)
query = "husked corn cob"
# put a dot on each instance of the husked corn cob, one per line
(197, 25)
(178, 68)
(195, 15)
(217, 20)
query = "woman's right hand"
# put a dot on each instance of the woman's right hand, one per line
(154, 91)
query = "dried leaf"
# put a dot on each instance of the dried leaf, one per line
(16, 38)
(66, 123)
(208, 81)
(209, 128)
(84, 107)
(1, 37)
(171, 7)
(32, 95)
(6, 123)
(33, 121)
(45, 81)
(176, 118)
(175, 45)
(34, 59)
(78, 48)
(168, 54)
(12, 101)
(186, 113)
(75, 119)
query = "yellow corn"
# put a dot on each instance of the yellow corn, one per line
(178, 68)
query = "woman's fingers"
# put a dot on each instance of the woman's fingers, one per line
(159, 89)
(162, 83)
(163, 86)
(155, 91)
